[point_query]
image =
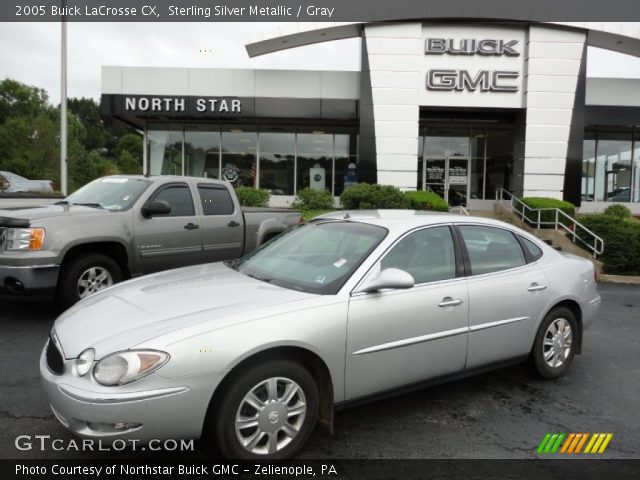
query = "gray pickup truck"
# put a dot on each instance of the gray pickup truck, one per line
(119, 227)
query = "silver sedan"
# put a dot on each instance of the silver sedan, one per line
(255, 352)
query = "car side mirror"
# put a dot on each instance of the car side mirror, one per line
(389, 278)
(157, 207)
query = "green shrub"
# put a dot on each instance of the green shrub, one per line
(549, 216)
(252, 197)
(420, 200)
(621, 242)
(311, 199)
(619, 211)
(363, 196)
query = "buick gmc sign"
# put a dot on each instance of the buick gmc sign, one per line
(459, 79)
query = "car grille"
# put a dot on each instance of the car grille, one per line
(55, 362)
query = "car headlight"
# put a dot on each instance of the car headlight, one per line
(84, 361)
(128, 366)
(24, 238)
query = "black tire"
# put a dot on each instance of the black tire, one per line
(537, 361)
(67, 293)
(223, 430)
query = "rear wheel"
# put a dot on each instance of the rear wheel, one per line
(85, 275)
(268, 412)
(554, 346)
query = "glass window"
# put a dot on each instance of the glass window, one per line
(180, 200)
(428, 255)
(215, 200)
(534, 250)
(636, 167)
(447, 142)
(500, 143)
(111, 193)
(315, 160)
(588, 166)
(317, 257)
(613, 167)
(239, 146)
(202, 151)
(491, 249)
(476, 187)
(277, 160)
(165, 149)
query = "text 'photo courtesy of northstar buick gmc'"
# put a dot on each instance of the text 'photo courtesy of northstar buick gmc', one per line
(253, 353)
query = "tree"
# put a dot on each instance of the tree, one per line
(18, 99)
(88, 112)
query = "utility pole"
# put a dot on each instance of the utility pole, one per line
(63, 103)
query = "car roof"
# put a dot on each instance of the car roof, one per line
(409, 219)
(170, 178)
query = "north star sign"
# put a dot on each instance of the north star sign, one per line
(460, 79)
(182, 104)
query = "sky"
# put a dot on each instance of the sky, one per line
(30, 52)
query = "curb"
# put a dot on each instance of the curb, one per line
(627, 279)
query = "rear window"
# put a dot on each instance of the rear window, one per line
(215, 201)
(491, 249)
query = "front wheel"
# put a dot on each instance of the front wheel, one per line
(554, 346)
(268, 412)
(85, 275)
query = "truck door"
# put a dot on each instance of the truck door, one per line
(222, 224)
(169, 240)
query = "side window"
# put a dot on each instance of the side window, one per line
(534, 250)
(491, 249)
(428, 255)
(215, 201)
(179, 197)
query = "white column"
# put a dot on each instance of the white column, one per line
(553, 63)
(395, 59)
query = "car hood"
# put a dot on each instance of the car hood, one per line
(50, 211)
(138, 310)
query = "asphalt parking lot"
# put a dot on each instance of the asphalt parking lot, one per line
(502, 414)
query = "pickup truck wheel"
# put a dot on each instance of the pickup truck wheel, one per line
(268, 412)
(85, 275)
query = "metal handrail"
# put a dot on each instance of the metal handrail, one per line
(463, 211)
(524, 211)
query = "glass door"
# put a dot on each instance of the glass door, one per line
(457, 181)
(448, 177)
(434, 175)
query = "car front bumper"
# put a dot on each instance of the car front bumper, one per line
(151, 408)
(28, 280)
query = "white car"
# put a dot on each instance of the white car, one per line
(12, 183)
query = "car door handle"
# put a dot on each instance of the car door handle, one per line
(233, 223)
(191, 226)
(536, 288)
(449, 302)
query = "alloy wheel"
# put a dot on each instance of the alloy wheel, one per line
(557, 342)
(270, 415)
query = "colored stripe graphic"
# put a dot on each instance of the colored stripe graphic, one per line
(572, 443)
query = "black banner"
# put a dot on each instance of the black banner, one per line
(310, 11)
(321, 469)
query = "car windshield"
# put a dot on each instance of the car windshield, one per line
(318, 257)
(110, 193)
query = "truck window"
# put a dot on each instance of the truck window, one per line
(179, 197)
(215, 200)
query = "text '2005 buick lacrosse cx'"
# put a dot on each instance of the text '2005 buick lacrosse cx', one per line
(256, 351)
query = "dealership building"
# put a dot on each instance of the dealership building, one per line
(463, 109)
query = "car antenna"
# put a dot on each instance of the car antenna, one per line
(347, 216)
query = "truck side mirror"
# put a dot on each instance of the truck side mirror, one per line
(157, 207)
